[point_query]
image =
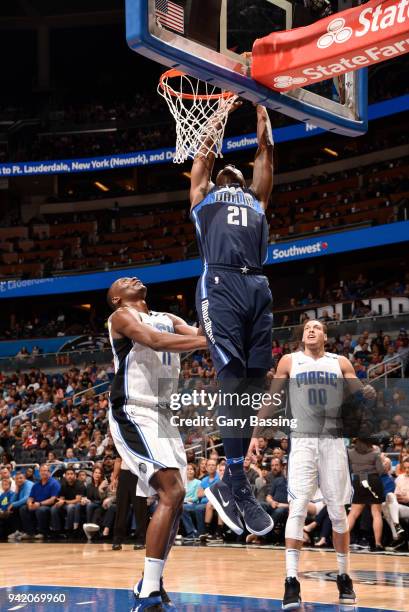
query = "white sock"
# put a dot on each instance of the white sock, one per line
(292, 559)
(343, 563)
(151, 576)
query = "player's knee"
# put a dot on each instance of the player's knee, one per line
(338, 517)
(296, 519)
(174, 497)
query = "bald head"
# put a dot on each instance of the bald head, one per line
(125, 291)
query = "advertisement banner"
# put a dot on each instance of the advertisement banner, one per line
(356, 38)
(283, 252)
(165, 156)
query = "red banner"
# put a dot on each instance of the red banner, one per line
(347, 41)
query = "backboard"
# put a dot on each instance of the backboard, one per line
(207, 40)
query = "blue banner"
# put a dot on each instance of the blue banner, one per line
(163, 156)
(327, 244)
(46, 345)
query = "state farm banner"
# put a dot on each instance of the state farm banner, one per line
(350, 40)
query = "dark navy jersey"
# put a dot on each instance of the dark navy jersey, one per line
(231, 227)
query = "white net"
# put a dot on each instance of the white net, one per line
(200, 110)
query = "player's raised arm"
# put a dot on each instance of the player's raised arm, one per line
(127, 323)
(201, 174)
(263, 172)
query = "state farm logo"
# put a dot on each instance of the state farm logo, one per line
(282, 82)
(336, 33)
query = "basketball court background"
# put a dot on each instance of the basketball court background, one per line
(92, 576)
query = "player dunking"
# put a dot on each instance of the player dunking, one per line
(146, 373)
(318, 455)
(233, 301)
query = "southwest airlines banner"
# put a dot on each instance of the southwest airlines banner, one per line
(328, 244)
(163, 156)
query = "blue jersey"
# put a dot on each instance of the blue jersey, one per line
(231, 228)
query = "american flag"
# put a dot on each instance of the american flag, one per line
(170, 15)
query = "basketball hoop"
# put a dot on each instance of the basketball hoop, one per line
(200, 110)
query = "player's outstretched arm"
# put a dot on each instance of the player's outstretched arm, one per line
(127, 323)
(201, 174)
(263, 172)
(200, 180)
(181, 327)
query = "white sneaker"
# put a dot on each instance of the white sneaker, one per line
(26, 536)
(39, 536)
(90, 529)
(13, 537)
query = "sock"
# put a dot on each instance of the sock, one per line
(238, 478)
(151, 576)
(207, 527)
(343, 563)
(292, 559)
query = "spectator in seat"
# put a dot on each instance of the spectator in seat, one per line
(95, 493)
(22, 493)
(5, 473)
(250, 472)
(201, 468)
(191, 498)
(396, 444)
(277, 497)
(69, 456)
(396, 505)
(262, 482)
(207, 481)
(67, 508)
(6, 499)
(35, 516)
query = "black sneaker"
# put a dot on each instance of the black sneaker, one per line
(116, 546)
(346, 589)
(363, 545)
(377, 548)
(257, 520)
(210, 537)
(398, 546)
(223, 501)
(292, 597)
(400, 532)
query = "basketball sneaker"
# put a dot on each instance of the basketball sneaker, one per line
(167, 603)
(292, 597)
(346, 589)
(153, 603)
(224, 502)
(256, 520)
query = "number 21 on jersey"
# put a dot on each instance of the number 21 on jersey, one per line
(237, 215)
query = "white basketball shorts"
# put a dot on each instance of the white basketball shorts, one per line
(147, 442)
(319, 462)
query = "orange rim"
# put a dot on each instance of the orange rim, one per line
(173, 73)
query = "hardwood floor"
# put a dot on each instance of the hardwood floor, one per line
(247, 571)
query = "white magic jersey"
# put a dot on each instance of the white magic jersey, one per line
(143, 376)
(316, 391)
